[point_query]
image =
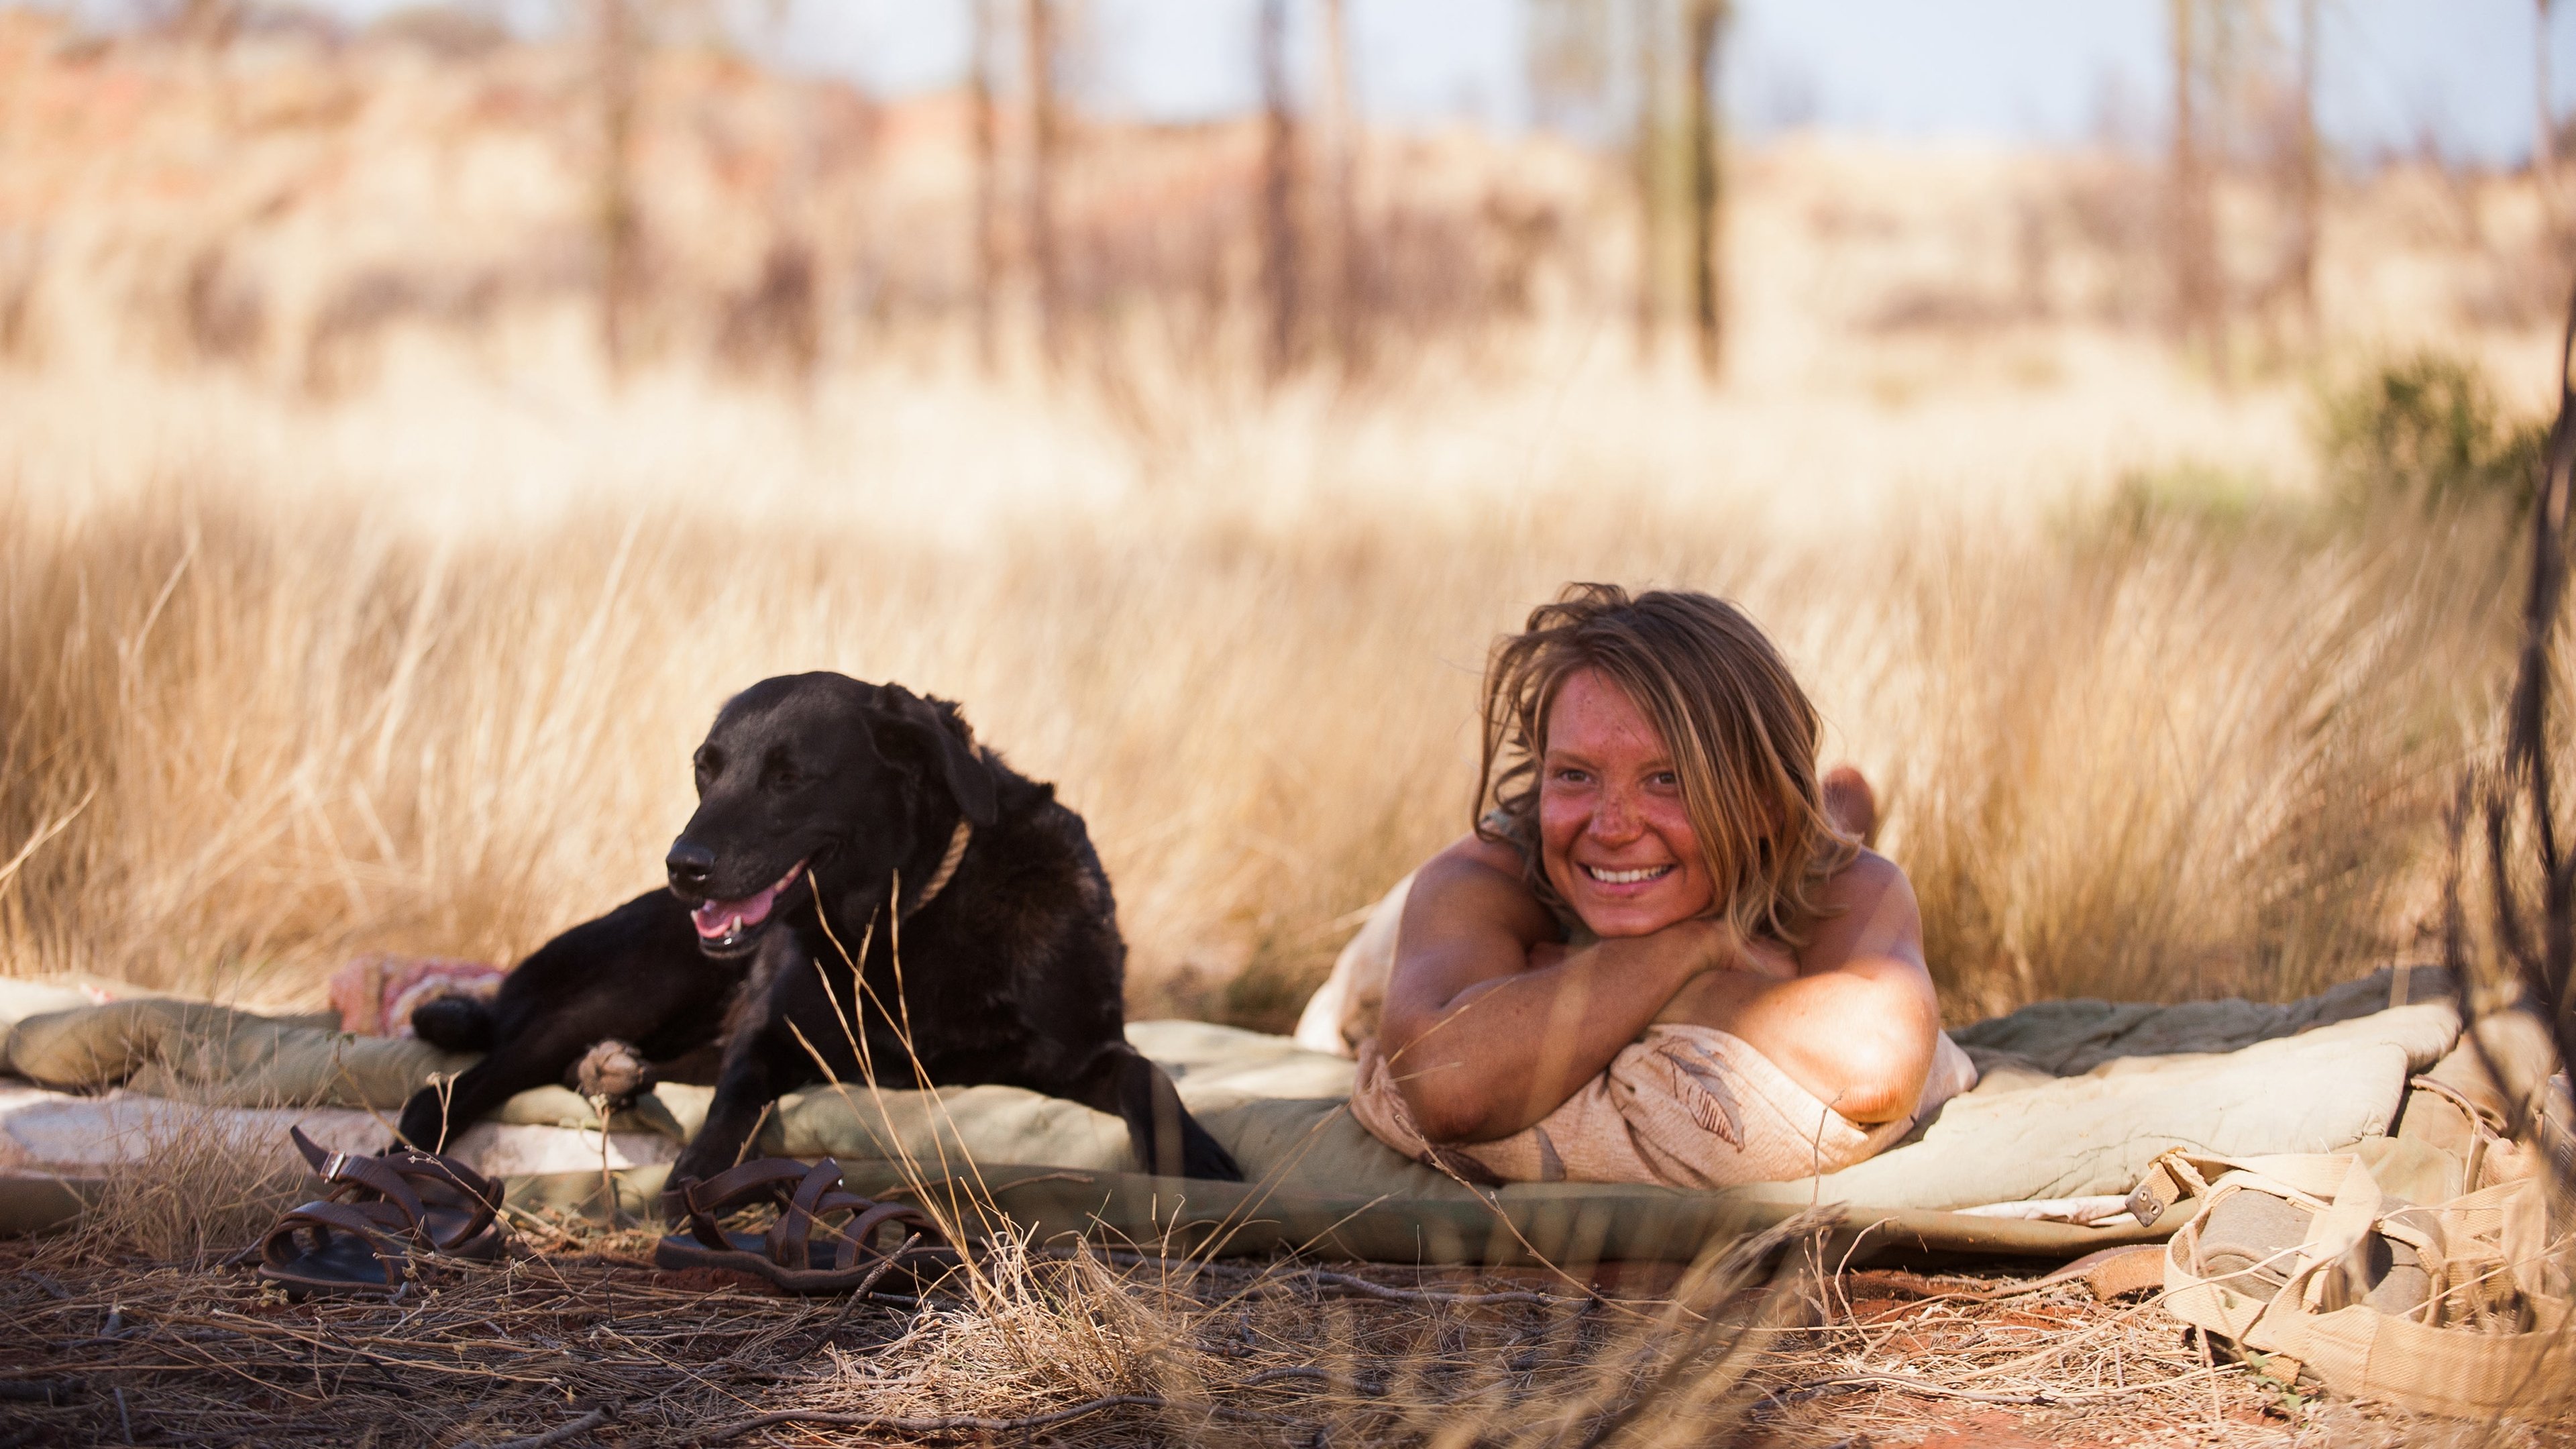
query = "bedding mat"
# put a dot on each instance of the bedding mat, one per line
(2077, 1098)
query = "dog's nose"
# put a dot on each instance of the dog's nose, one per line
(690, 865)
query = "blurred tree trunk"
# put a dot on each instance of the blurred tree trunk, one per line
(2193, 238)
(210, 23)
(2311, 178)
(988, 239)
(1649, 162)
(1341, 242)
(617, 220)
(1278, 191)
(2544, 139)
(1707, 28)
(1041, 39)
(2544, 136)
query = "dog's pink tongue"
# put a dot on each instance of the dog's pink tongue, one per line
(723, 918)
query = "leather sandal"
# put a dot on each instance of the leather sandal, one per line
(452, 1206)
(806, 1250)
(339, 1247)
(376, 1215)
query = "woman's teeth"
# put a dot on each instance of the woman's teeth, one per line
(1626, 877)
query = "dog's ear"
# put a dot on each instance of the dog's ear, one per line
(932, 737)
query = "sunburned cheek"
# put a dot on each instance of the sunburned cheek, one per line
(1556, 843)
(1673, 824)
(1561, 819)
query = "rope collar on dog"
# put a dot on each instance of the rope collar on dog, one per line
(947, 866)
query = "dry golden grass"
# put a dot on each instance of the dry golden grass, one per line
(2139, 753)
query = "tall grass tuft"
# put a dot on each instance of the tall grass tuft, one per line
(198, 1189)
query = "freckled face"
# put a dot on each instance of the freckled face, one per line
(1613, 834)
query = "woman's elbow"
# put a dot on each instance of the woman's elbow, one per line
(1441, 1112)
(1436, 1093)
(1883, 1074)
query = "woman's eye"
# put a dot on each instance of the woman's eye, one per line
(1571, 776)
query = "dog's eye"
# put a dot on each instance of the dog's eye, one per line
(781, 776)
(710, 760)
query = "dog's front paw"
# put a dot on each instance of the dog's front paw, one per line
(611, 1069)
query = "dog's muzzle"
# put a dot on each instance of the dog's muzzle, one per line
(726, 928)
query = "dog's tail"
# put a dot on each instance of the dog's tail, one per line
(454, 1023)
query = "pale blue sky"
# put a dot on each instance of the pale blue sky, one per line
(2459, 71)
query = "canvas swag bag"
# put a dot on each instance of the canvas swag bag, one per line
(2460, 1307)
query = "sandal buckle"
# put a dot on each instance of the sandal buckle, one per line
(331, 1166)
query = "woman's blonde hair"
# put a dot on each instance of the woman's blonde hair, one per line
(1742, 734)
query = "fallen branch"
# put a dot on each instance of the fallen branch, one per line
(39, 1391)
(944, 1424)
(1326, 1278)
(559, 1433)
(1435, 1295)
(1308, 1374)
(2034, 1398)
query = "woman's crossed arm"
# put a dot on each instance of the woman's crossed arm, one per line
(1490, 1024)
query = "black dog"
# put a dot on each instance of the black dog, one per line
(818, 795)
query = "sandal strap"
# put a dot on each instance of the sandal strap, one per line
(705, 1200)
(346, 1174)
(445, 1178)
(371, 1223)
(787, 1236)
(860, 1232)
(790, 1246)
(411, 1162)
(412, 1180)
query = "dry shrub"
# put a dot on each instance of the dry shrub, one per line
(2428, 431)
(206, 1186)
(1030, 1333)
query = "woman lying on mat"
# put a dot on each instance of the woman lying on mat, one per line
(1664, 954)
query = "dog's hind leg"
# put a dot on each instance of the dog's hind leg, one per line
(454, 1023)
(1167, 1140)
(438, 1114)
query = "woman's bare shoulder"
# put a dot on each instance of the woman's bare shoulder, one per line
(1865, 880)
(1477, 853)
(1868, 910)
(1472, 889)
(1869, 899)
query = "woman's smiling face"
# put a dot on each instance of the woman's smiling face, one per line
(1613, 834)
